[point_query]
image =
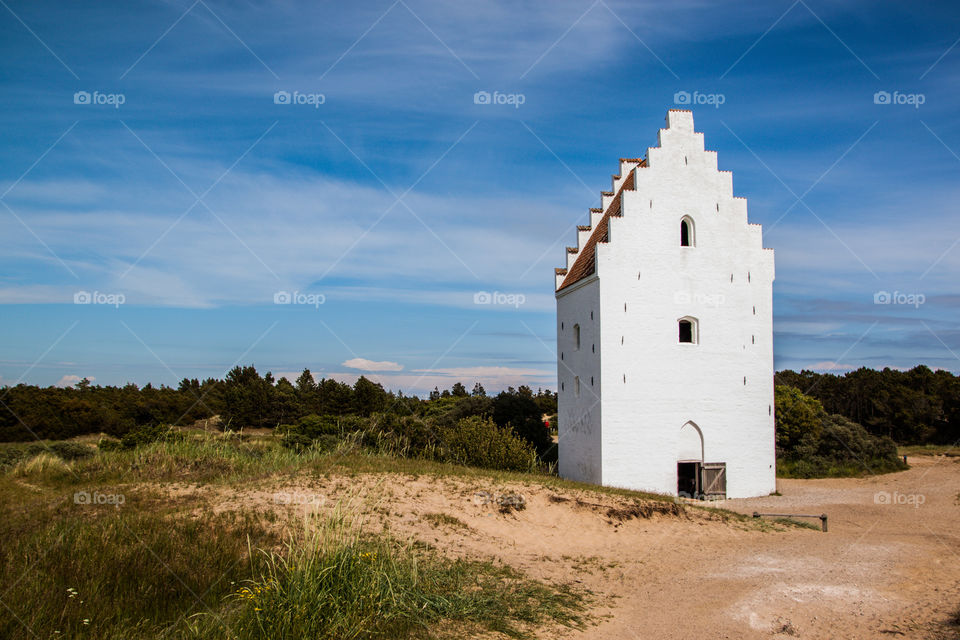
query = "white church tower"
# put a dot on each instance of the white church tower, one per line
(665, 332)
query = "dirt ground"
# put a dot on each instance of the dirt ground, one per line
(888, 567)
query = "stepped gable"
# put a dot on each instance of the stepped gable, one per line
(585, 264)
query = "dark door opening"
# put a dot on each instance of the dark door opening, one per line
(688, 479)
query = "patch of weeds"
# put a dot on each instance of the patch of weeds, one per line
(445, 520)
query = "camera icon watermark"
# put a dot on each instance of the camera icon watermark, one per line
(97, 498)
(295, 297)
(705, 299)
(512, 99)
(97, 98)
(298, 98)
(897, 498)
(299, 498)
(499, 298)
(896, 97)
(899, 298)
(97, 297)
(686, 98)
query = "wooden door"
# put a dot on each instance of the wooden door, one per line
(713, 479)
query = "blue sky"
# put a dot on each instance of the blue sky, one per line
(386, 198)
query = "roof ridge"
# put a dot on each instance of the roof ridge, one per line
(585, 264)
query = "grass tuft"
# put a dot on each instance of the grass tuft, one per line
(41, 466)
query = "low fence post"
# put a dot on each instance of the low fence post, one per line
(823, 522)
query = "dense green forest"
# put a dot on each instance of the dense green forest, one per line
(919, 406)
(245, 398)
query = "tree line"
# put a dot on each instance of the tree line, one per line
(245, 398)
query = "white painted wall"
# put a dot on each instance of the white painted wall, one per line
(579, 416)
(644, 282)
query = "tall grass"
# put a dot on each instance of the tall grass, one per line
(113, 574)
(331, 581)
(156, 567)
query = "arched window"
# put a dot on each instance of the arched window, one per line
(687, 238)
(576, 337)
(687, 329)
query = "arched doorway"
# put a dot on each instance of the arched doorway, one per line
(689, 460)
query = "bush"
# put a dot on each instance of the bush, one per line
(480, 442)
(140, 436)
(300, 443)
(70, 451)
(314, 426)
(812, 443)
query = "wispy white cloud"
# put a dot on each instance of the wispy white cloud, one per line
(71, 380)
(372, 365)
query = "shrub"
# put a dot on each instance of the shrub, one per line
(70, 451)
(140, 436)
(480, 442)
(296, 441)
(314, 426)
(301, 443)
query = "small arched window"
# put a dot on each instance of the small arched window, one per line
(576, 337)
(687, 330)
(687, 238)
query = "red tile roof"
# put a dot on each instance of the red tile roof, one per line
(585, 264)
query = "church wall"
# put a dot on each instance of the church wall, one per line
(579, 415)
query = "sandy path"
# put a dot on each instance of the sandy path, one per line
(889, 566)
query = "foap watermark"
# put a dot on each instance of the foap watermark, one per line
(98, 297)
(687, 98)
(299, 498)
(311, 99)
(705, 299)
(101, 99)
(506, 501)
(97, 498)
(499, 298)
(911, 99)
(910, 499)
(684, 497)
(513, 99)
(295, 297)
(899, 297)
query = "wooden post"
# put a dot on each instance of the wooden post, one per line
(823, 522)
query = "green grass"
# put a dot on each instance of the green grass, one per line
(162, 567)
(837, 469)
(929, 450)
(85, 571)
(793, 522)
(333, 582)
